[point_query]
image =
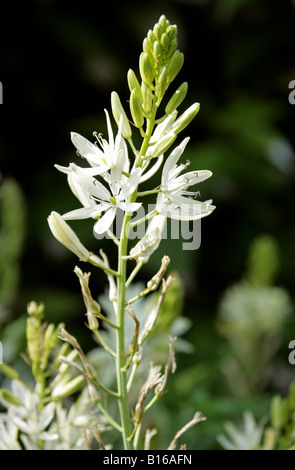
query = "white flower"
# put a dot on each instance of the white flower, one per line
(102, 200)
(8, 434)
(31, 422)
(172, 201)
(151, 240)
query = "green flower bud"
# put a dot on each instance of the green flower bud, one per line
(161, 146)
(146, 69)
(9, 371)
(157, 50)
(133, 83)
(136, 109)
(172, 48)
(174, 65)
(185, 118)
(8, 397)
(119, 113)
(147, 98)
(177, 98)
(161, 84)
(171, 30)
(165, 41)
(146, 46)
(151, 37)
(35, 309)
(158, 31)
(65, 389)
(164, 22)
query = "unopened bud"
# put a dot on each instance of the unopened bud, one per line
(171, 49)
(175, 64)
(157, 50)
(9, 371)
(34, 309)
(171, 30)
(161, 84)
(185, 118)
(177, 98)
(119, 113)
(136, 109)
(66, 236)
(147, 98)
(9, 398)
(65, 389)
(165, 41)
(133, 83)
(146, 69)
(162, 145)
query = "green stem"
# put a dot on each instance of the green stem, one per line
(126, 420)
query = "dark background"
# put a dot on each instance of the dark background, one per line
(60, 60)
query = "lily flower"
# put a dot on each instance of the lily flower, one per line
(102, 200)
(112, 156)
(172, 201)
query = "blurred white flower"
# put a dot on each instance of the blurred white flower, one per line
(246, 437)
(8, 434)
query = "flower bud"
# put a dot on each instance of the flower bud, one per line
(146, 69)
(175, 64)
(133, 83)
(185, 118)
(157, 50)
(9, 371)
(162, 145)
(158, 30)
(177, 98)
(147, 98)
(9, 398)
(151, 37)
(165, 41)
(147, 47)
(171, 30)
(161, 84)
(171, 49)
(65, 389)
(164, 22)
(136, 109)
(119, 113)
(66, 236)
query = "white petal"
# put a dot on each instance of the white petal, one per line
(92, 186)
(84, 212)
(103, 224)
(110, 130)
(152, 170)
(172, 160)
(131, 184)
(80, 193)
(129, 206)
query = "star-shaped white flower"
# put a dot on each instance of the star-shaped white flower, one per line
(172, 201)
(112, 156)
(100, 199)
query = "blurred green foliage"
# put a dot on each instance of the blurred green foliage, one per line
(238, 64)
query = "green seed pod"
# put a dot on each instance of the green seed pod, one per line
(185, 118)
(136, 109)
(147, 98)
(146, 68)
(133, 83)
(119, 113)
(174, 65)
(161, 84)
(177, 98)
